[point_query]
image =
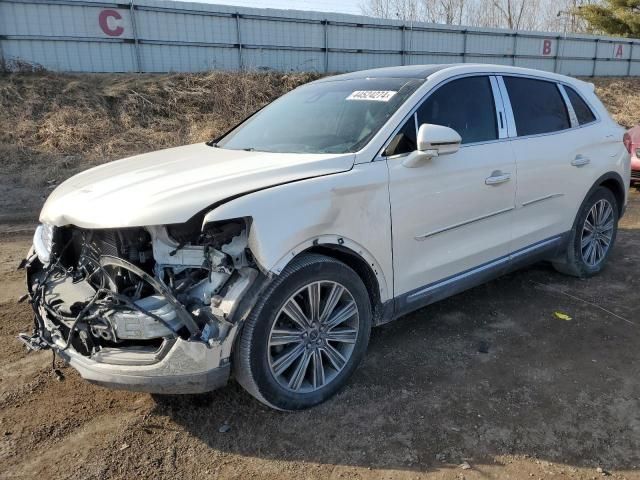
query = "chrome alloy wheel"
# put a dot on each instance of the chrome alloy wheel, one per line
(313, 336)
(597, 232)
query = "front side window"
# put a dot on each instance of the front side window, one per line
(538, 106)
(466, 105)
(405, 140)
(582, 110)
(338, 116)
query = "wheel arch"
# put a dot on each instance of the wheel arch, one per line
(612, 181)
(363, 269)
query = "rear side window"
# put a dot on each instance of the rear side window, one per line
(466, 105)
(583, 112)
(538, 106)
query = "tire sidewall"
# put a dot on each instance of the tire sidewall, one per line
(575, 249)
(264, 315)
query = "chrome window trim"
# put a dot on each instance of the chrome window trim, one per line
(511, 120)
(573, 120)
(501, 117)
(418, 104)
(512, 131)
(557, 82)
(594, 111)
(552, 80)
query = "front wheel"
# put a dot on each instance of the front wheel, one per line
(592, 237)
(306, 336)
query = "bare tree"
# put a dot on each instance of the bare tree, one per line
(452, 11)
(545, 15)
(394, 9)
(378, 8)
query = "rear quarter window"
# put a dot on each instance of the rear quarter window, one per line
(538, 106)
(583, 113)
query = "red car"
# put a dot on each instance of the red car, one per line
(632, 142)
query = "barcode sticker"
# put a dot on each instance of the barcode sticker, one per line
(372, 95)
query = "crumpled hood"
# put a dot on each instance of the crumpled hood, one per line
(170, 186)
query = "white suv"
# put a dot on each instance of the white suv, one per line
(271, 252)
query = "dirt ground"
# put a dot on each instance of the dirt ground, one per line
(548, 398)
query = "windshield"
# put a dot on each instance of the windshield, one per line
(329, 117)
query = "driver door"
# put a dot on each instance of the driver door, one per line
(452, 214)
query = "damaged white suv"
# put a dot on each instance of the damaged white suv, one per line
(271, 252)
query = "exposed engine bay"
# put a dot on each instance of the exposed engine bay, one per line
(129, 296)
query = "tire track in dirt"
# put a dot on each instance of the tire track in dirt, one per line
(550, 399)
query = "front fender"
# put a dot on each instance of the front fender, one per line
(349, 209)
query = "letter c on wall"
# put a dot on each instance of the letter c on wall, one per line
(103, 20)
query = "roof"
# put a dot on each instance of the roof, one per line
(407, 71)
(425, 71)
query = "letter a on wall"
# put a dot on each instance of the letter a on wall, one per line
(618, 51)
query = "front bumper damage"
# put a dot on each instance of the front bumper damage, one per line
(153, 335)
(187, 367)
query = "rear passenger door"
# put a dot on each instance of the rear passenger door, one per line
(540, 125)
(561, 149)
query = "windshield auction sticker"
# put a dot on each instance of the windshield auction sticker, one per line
(372, 95)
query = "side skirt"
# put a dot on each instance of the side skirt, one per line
(428, 294)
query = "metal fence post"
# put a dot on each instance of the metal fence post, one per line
(239, 39)
(464, 46)
(136, 43)
(628, 66)
(515, 48)
(404, 44)
(595, 58)
(325, 22)
(3, 65)
(555, 60)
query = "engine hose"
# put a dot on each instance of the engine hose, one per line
(181, 312)
(80, 316)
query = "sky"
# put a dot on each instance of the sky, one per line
(337, 6)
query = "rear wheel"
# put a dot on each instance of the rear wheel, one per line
(592, 237)
(306, 336)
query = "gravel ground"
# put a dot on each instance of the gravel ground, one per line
(487, 384)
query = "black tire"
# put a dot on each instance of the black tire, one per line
(572, 261)
(252, 353)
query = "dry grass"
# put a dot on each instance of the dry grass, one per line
(53, 125)
(621, 96)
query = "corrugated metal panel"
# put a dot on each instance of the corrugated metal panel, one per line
(489, 44)
(175, 58)
(430, 41)
(165, 35)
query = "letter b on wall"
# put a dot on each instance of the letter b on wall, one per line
(547, 47)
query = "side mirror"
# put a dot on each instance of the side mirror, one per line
(433, 141)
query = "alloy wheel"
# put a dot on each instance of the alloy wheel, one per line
(597, 233)
(313, 336)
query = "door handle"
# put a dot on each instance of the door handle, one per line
(580, 160)
(497, 178)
